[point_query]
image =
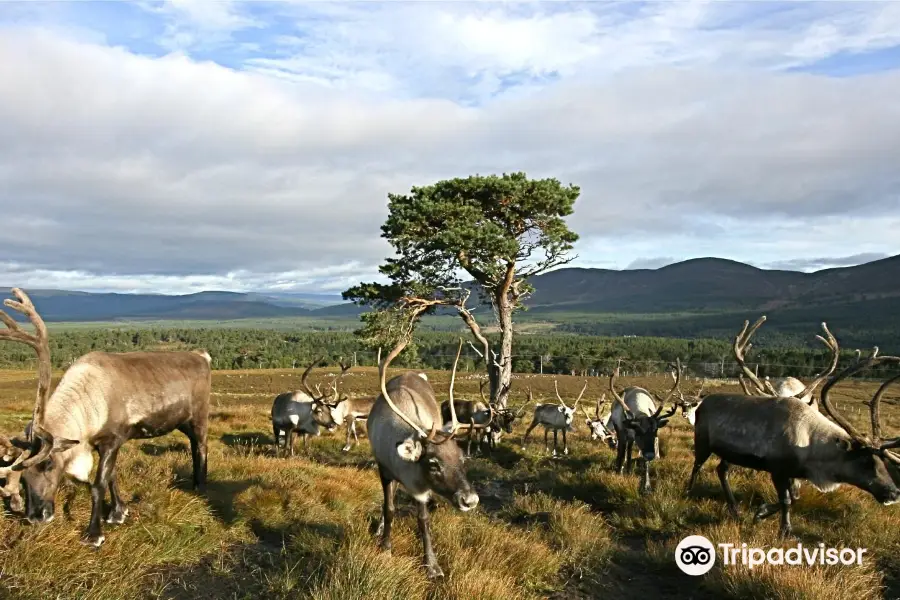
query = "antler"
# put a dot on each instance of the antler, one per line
(599, 406)
(304, 378)
(616, 395)
(39, 341)
(558, 397)
(677, 386)
(831, 344)
(402, 342)
(860, 365)
(481, 391)
(521, 410)
(741, 345)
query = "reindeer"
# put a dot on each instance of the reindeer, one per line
(352, 410)
(637, 420)
(788, 387)
(556, 417)
(303, 411)
(504, 419)
(423, 463)
(103, 400)
(472, 412)
(600, 426)
(790, 440)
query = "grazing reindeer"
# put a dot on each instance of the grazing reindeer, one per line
(556, 417)
(504, 419)
(103, 400)
(783, 388)
(473, 413)
(600, 426)
(423, 463)
(303, 411)
(790, 440)
(637, 420)
(352, 410)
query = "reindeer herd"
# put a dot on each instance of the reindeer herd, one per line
(105, 399)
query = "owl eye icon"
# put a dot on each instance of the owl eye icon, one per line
(695, 555)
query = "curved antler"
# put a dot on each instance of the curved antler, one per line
(558, 397)
(616, 395)
(676, 386)
(304, 379)
(856, 367)
(39, 341)
(741, 345)
(402, 342)
(831, 344)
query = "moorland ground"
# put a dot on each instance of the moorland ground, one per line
(561, 528)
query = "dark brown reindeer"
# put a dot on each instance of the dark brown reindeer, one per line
(480, 416)
(788, 387)
(637, 421)
(424, 463)
(791, 440)
(103, 400)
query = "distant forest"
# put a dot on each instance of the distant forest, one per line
(551, 353)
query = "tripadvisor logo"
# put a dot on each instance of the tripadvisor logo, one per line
(696, 555)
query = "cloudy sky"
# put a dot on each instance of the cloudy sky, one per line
(189, 145)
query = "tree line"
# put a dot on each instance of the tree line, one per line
(535, 353)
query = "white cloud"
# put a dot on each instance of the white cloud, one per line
(177, 174)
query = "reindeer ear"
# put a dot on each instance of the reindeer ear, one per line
(561, 409)
(410, 449)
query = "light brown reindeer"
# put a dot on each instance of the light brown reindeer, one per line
(103, 400)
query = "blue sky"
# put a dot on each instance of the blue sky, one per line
(177, 146)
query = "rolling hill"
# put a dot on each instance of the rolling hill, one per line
(702, 290)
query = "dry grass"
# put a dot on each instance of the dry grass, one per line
(547, 528)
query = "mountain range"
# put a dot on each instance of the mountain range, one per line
(704, 286)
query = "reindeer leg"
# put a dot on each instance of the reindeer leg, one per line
(795, 489)
(555, 440)
(528, 432)
(355, 437)
(722, 470)
(346, 447)
(432, 568)
(620, 455)
(645, 476)
(387, 513)
(108, 452)
(629, 463)
(277, 431)
(199, 451)
(290, 441)
(783, 487)
(118, 510)
(701, 455)
(565, 443)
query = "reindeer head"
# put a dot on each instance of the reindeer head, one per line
(322, 410)
(566, 410)
(597, 425)
(867, 467)
(441, 463)
(645, 428)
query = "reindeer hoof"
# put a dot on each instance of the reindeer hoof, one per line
(345, 449)
(117, 517)
(566, 451)
(94, 541)
(434, 572)
(386, 548)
